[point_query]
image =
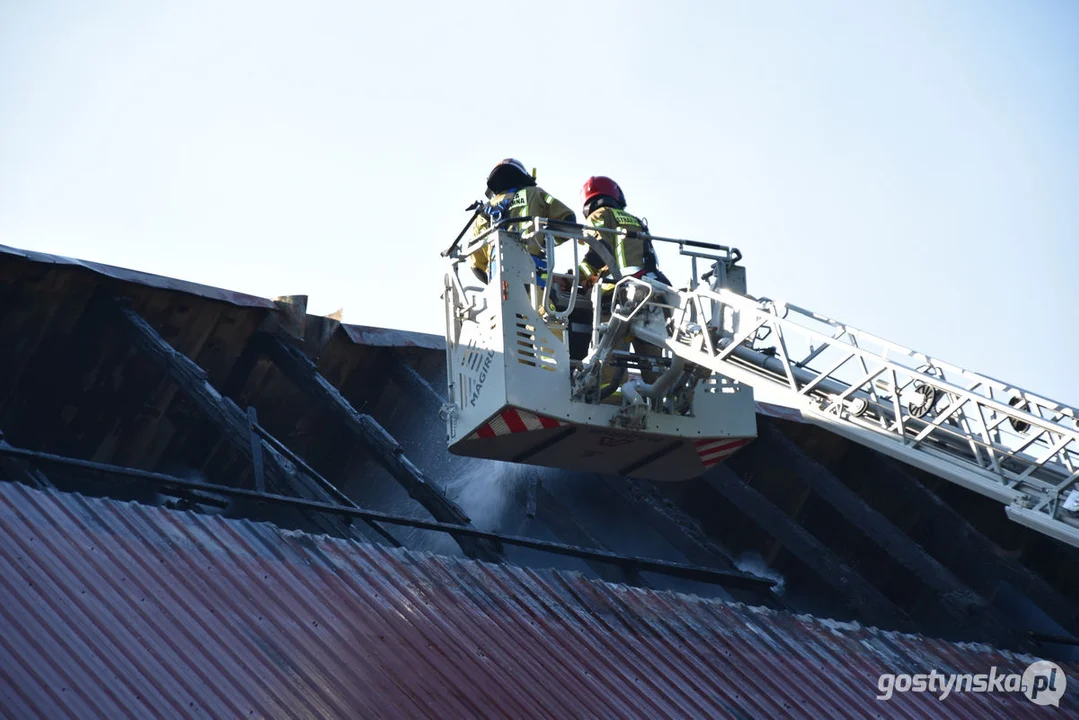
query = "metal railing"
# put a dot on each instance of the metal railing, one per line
(168, 484)
(554, 233)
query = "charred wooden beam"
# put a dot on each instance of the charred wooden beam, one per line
(861, 596)
(258, 432)
(958, 600)
(559, 519)
(301, 371)
(795, 513)
(63, 374)
(412, 382)
(683, 533)
(243, 367)
(225, 415)
(673, 525)
(367, 388)
(969, 553)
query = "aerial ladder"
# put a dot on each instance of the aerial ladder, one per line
(532, 359)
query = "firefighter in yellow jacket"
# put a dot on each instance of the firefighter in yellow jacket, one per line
(512, 193)
(604, 206)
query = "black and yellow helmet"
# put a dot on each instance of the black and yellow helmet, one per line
(507, 175)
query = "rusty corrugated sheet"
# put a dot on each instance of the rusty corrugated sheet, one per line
(111, 609)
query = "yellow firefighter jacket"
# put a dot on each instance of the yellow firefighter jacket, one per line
(526, 202)
(632, 254)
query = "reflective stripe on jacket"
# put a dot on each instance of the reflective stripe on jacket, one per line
(632, 253)
(526, 202)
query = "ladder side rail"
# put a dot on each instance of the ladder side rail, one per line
(1042, 401)
(984, 437)
(856, 429)
(452, 334)
(987, 436)
(968, 422)
(1040, 408)
(1051, 498)
(1041, 515)
(955, 450)
(742, 304)
(833, 388)
(975, 440)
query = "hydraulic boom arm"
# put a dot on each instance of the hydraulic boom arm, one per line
(988, 436)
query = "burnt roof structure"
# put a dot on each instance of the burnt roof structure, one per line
(223, 412)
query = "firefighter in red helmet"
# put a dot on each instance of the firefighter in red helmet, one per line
(604, 206)
(511, 193)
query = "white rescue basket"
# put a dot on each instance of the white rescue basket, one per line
(511, 378)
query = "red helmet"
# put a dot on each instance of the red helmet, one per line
(600, 185)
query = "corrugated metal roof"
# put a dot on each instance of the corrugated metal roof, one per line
(111, 609)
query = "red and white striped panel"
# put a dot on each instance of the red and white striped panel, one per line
(715, 450)
(511, 421)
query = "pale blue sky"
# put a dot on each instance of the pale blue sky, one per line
(911, 168)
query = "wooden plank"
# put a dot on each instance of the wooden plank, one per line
(959, 601)
(225, 415)
(869, 603)
(412, 382)
(676, 527)
(132, 449)
(970, 554)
